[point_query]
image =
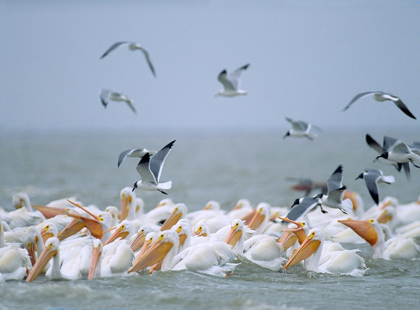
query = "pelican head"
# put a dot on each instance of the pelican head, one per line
(48, 230)
(157, 251)
(96, 255)
(178, 212)
(50, 250)
(235, 233)
(306, 249)
(365, 229)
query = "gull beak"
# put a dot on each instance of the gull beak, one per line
(247, 218)
(306, 249)
(96, 255)
(233, 236)
(256, 220)
(153, 255)
(119, 233)
(138, 242)
(171, 220)
(40, 264)
(363, 228)
(49, 212)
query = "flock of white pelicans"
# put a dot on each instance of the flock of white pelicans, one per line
(67, 240)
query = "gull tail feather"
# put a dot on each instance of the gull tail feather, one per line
(388, 179)
(166, 185)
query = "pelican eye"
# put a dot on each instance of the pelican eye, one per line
(50, 246)
(29, 245)
(312, 234)
(240, 205)
(122, 227)
(161, 237)
(176, 209)
(236, 225)
(137, 209)
(303, 224)
(386, 211)
(371, 221)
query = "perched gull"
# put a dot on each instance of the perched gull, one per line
(150, 170)
(231, 83)
(381, 96)
(132, 46)
(372, 177)
(334, 198)
(107, 95)
(133, 153)
(300, 129)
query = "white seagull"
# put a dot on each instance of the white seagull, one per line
(150, 170)
(372, 177)
(106, 95)
(300, 129)
(132, 46)
(381, 96)
(133, 153)
(231, 83)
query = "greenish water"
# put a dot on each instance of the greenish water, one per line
(222, 167)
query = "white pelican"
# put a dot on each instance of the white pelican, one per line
(14, 261)
(345, 262)
(394, 248)
(74, 264)
(261, 218)
(184, 231)
(138, 240)
(241, 209)
(111, 260)
(162, 251)
(24, 216)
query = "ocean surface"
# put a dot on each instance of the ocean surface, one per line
(205, 166)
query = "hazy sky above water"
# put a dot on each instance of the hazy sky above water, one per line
(308, 59)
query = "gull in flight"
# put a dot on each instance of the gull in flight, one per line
(372, 177)
(132, 46)
(334, 198)
(381, 96)
(231, 83)
(133, 153)
(300, 129)
(107, 95)
(399, 152)
(150, 169)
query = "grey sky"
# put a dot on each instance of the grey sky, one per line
(308, 59)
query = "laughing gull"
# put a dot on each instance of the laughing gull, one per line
(133, 153)
(334, 197)
(381, 96)
(388, 142)
(150, 169)
(399, 152)
(231, 83)
(132, 46)
(300, 129)
(302, 206)
(106, 95)
(372, 177)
